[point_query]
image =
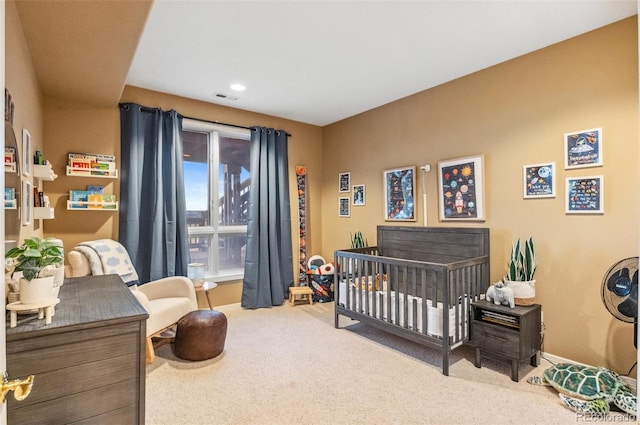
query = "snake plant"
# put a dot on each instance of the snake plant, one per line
(522, 264)
(357, 240)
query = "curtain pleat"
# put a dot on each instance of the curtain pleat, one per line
(153, 226)
(268, 270)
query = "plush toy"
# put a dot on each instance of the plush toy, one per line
(324, 269)
(499, 293)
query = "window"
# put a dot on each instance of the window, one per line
(216, 179)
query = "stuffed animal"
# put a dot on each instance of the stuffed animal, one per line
(324, 269)
(499, 293)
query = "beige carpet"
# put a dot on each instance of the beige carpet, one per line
(289, 365)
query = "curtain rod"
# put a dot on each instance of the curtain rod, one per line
(221, 123)
(148, 109)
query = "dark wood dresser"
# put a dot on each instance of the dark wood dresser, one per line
(89, 363)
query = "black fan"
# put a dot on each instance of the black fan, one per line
(620, 292)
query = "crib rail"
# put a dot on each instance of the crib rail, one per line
(426, 302)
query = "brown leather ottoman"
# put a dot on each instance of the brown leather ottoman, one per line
(200, 335)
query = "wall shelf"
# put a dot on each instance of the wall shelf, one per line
(44, 172)
(10, 204)
(43, 213)
(92, 206)
(92, 172)
(10, 167)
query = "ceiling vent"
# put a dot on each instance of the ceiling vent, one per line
(224, 96)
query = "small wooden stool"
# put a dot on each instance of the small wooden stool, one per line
(300, 290)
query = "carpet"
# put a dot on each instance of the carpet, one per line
(289, 365)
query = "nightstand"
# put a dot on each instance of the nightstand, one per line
(505, 333)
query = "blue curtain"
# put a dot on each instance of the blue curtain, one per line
(268, 272)
(153, 225)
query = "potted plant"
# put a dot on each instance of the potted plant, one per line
(357, 240)
(520, 272)
(34, 258)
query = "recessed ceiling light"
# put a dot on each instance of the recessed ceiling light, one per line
(238, 87)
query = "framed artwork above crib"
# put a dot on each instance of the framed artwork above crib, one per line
(399, 194)
(461, 189)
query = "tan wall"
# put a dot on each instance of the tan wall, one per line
(515, 114)
(20, 80)
(72, 126)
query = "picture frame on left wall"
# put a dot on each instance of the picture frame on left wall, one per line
(344, 207)
(26, 152)
(344, 182)
(26, 202)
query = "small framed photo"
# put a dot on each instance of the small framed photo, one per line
(26, 152)
(585, 195)
(358, 194)
(461, 186)
(399, 193)
(583, 148)
(26, 194)
(344, 182)
(344, 207)
(539, 180)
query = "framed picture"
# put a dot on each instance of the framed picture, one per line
(344, 182)
(460, 188)
(26, 152)
(358, 194)
(539, 180)
(583, 148)
(27, 193)
(344, 207)
(399, 192)
(585, 195)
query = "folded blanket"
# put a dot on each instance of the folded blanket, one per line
(107, 256)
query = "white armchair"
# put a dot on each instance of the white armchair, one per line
(166, 300)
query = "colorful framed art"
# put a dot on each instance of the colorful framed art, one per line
(460, 188)
(539, 180)
(399, 192)
(585, 195)
(583, 148)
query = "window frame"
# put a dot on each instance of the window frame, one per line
(214, 231)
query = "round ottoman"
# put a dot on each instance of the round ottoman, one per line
(200, 335)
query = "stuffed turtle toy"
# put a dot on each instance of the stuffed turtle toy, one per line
(588, 389)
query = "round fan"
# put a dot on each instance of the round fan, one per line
(620, 291)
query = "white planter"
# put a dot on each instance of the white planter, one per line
(36, 290)
(524, 293)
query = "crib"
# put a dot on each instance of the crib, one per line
(418, 283)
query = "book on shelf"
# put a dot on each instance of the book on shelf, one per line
(498, 318)
(9, 155)
(95, 201)
(95, 189)
(91, 200)
(79, 198)
(110, 202)
(9, 193)
(37, 200)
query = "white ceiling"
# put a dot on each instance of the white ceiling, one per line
(322, 61)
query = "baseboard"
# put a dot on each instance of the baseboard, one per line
(631, 382)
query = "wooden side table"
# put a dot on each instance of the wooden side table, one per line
(501, 332)
(205, 288)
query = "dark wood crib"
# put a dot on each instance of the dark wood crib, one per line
(418, 283)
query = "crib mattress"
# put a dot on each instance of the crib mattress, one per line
(434, 314)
